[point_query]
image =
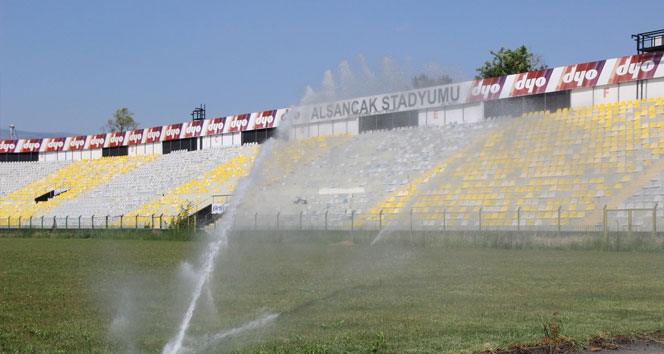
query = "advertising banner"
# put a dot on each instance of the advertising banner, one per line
(74, 143)
(115, 139)
(263, 120)
(29, 145)
(171, 132)
(237, 123)
(152, 135)
(8, 146)
(95, 141)
(214, 126)
(531, 83)
(53, 144)
(486, 89)
(191, 129)
(580, 75)
(635, 67)
(134, 137)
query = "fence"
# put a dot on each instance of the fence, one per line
(105, 222)
(556, 220)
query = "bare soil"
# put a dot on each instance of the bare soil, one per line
(644, 344)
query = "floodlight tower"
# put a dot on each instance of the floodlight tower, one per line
(647, 42)
(12, 132)
(198, 113)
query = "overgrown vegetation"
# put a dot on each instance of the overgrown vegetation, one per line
(184, 220)
(64, 295)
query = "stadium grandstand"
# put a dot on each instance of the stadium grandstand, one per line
(567, 149)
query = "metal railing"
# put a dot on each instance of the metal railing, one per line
(557, 220)
(554, 220)
(100, 222)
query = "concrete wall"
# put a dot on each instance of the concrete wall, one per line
(613, 93)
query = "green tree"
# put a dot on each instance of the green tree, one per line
(507, 62)
(122, 121)
(423, 80)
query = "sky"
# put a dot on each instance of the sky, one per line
(67, 65)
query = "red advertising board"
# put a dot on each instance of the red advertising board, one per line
(191, 129)
(580, 75)
(152, 135)
(265, 119)
(214, 126)
(486, 89)
(53, 144)
(95, 141)
(531, 83)
(115, 139)
(171, 132)
(238, 123)
(635, 67)
(29, 145)
(8, 146)
(75, 143)
(135, 137)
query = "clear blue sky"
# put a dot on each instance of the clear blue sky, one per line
(67, 65)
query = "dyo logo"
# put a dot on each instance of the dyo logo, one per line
(6, 147)
(239, 123)
(77, 144)
(635, 68)
(192, 129)
(579, 76)
(135, 138)
(30, 146)
(154, 134)
(96, 142)
(485, 90)
(55, 144)
(530, 84)
(264, 120)
(215, 127)
(173, 133)
(117, 139)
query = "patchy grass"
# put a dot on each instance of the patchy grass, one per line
(99, 295)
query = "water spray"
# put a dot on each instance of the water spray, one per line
(216, 246)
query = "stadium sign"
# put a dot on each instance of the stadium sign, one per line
(387, 103)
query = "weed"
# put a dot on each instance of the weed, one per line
(379, 345)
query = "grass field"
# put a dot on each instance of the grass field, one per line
(91, 295)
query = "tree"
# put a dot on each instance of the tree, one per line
(122, 121)
(507, 62)
(425, 81)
